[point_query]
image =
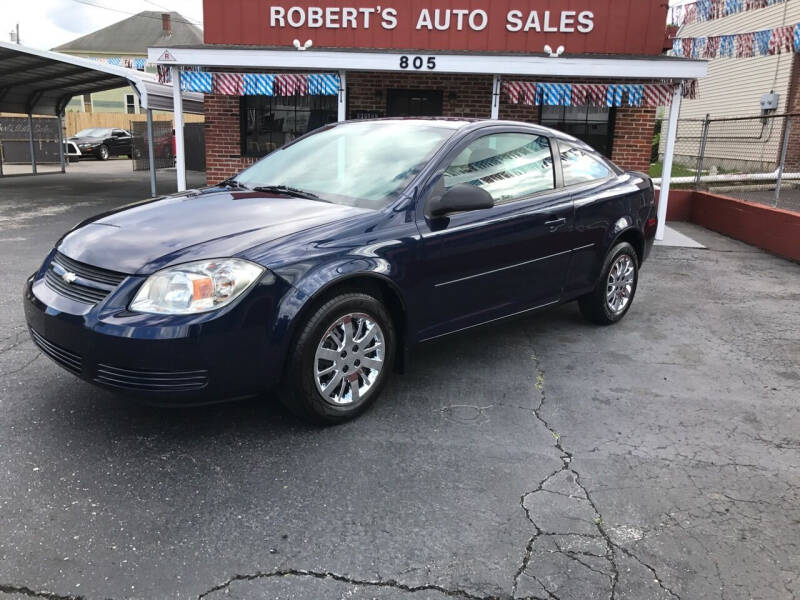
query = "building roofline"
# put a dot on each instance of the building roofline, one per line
(507, 64)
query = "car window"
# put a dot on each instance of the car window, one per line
(581, 166)
(363, 163)
(509, 166)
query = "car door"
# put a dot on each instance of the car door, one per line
(485, 264)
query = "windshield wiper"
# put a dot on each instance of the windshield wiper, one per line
(231, 183)
(289, 191)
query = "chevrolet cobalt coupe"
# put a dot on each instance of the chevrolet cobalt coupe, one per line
(317, 269)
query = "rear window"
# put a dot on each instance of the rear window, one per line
(581, 166)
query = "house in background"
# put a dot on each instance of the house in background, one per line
(127, 41)
(734, 87)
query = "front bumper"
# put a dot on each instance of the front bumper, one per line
(72, 151)
(161, 359)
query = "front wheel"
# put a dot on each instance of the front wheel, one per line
(341, 360)
(102, 152)
(613, 296)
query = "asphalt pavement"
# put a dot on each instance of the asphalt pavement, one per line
(540, 458)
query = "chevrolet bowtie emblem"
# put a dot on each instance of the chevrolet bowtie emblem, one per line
(69, 277)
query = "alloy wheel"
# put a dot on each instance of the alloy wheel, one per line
(349, 359)
(619, 287)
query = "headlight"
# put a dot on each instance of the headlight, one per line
(196, 287)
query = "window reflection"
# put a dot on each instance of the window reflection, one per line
(365, 164)
(580, 166)
(507, 165)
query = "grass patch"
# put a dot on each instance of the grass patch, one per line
(656, 170)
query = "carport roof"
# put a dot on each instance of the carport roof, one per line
(42, 82)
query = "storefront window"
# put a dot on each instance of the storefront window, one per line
(592, 124)
(269, 122)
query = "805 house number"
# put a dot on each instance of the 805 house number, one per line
(418, 62)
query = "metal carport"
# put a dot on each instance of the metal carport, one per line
(42, 82)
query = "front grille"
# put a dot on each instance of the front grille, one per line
(91, 284)
(151, 381)
(69, 360)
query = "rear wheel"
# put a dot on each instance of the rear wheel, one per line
(341, 360)
(613, 296)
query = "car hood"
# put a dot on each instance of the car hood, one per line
(202, 224)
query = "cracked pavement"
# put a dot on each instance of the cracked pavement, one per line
(544, 458)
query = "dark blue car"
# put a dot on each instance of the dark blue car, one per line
(317, 269)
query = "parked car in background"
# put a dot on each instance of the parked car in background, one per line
(100, 142)
(316, 270)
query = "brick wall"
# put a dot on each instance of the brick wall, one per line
(462, 96)
(223, 138)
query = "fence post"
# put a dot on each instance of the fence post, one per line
(61, 143)
(784, 150)
(151, 157)
(30, 143)
(702, 153)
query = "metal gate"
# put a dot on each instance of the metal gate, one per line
(15, 143)
(194, 136)
(162, 145)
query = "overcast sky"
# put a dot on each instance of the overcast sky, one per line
(48, 23)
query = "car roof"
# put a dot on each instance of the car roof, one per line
(470, 124)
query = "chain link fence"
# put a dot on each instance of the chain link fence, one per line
(162, 145)
(751, 158)
(15, 142)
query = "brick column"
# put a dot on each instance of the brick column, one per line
(223, 138)
(633, 138)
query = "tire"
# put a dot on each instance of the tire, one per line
(102, 152)
(613, 296)
(326, 381)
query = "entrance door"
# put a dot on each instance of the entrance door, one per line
(414, 103)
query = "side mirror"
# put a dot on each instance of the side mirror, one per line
(461, 197)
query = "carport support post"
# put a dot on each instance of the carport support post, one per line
(177, 111)
(669, 151)
(151, 159)
(342, 114)
(496, 97)
(30, 143)
(61, 143)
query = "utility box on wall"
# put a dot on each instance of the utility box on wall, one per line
(769, 102)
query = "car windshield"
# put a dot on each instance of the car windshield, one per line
(93, 132)
(366, 164)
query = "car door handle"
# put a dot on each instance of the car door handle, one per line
(556, 223)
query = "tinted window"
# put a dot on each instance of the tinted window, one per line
(581, 166)
(507, 165)
(269, 122)
(591, 124)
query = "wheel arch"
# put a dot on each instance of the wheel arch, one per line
(374, 284)
(635, 238)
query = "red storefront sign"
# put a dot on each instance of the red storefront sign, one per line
(581, 26)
